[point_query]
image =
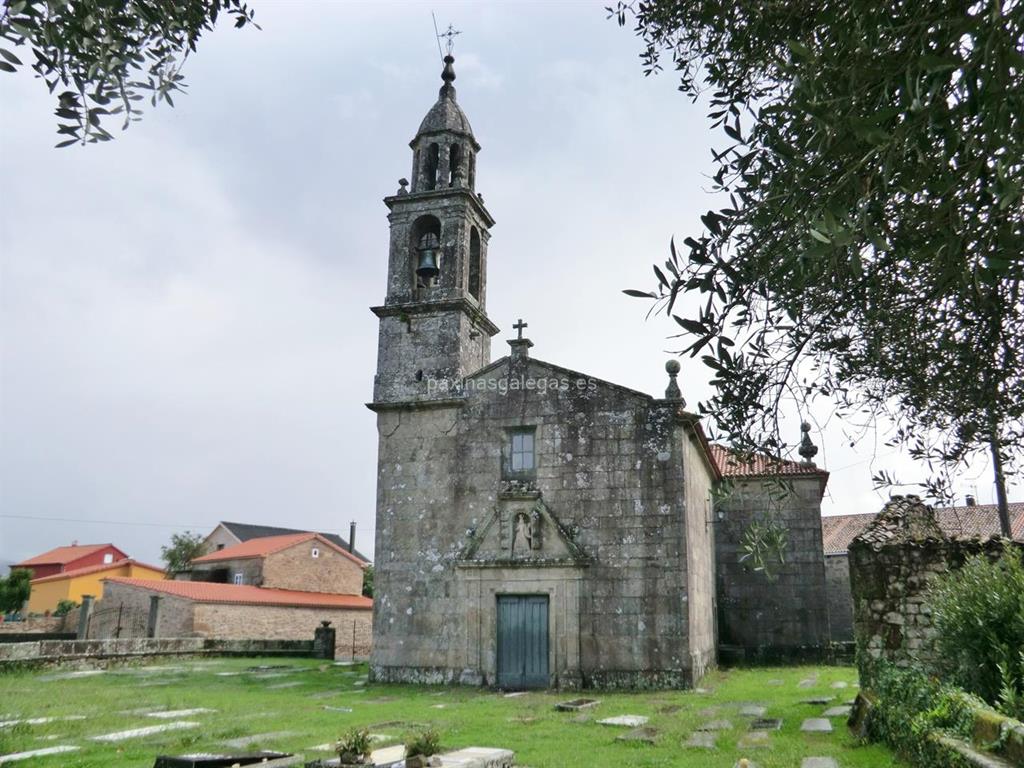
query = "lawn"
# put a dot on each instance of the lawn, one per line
(308, 703)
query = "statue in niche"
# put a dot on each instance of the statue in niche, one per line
(522, 534)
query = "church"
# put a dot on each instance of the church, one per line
(538, 527)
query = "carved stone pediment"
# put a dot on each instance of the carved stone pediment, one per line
(523, 531)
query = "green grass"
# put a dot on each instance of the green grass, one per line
(529, 725)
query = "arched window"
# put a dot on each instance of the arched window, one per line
(415, 170)
(472, 171)
(430, 168)
(474, 263)
(454, 157)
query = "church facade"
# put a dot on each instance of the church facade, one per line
(538, 527)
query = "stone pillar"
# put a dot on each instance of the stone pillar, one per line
(154, 615)
(83, 616)
(323, 641)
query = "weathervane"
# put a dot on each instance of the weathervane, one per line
(449, 33)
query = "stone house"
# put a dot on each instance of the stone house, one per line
(229, 611)
(972, 521)
(228, 534)
(308, 562)
(537, 526)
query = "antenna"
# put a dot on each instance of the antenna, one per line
(437, 35)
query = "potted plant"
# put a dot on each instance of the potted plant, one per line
(421, 749)
(354, 747)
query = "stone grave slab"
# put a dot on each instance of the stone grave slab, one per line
(624, 721)
(278, 686)
(387, 755)
(18, 756)
(840, 684)
(818, 701)
(703, 690)
(819, 762)
(478, 757)
(716, 725)
(639, 735)
(843, 711)
(809, 682)
(766, 724)
(135, 733)
(39, 720)
(775, 683)
(816, 725)
(245, 741)
(329, 708)
(171, 714)
(515, 694)
(752, 710)
(582, 717)
(203, 760)
(701, 740)
(755, 740)
(709, 711)
(575, 705)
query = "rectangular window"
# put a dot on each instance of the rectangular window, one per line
(315, 552)
(521, 456)
(239, 579)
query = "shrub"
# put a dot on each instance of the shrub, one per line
(64, 607)
(978, 612)
(423, 744)
(354, 746)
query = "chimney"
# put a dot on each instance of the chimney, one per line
(352, 536)
(970, 500)
(74, 542)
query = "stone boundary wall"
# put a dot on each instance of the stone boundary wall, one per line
(891, 566)
(37, 624)
(47, 651)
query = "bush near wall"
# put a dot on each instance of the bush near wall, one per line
(935, 725)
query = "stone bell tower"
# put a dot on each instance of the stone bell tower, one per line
(434, 328)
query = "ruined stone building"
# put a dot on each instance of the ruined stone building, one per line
(537, 526)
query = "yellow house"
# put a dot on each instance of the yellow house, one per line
(72, 585)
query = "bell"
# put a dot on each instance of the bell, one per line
(427, 267)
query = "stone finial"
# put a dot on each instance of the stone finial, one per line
(448, 75)
(403, 185)
(672, 391)
(520, 345)
(808, 450)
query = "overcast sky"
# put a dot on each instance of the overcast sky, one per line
(185, 327)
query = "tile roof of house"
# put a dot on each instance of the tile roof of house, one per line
(981, 520)
(62, 555)
(245, 531)
(759, 465)
(268, 546)
(74, 572)
(244, 594)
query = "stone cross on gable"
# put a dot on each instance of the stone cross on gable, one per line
(519, 328)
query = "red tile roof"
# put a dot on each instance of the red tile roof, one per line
(244, 594)
(95, 569)
(759, 465)
(268, 546)
(981, 521)
(62, 555)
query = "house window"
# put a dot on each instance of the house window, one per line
(108, 558)
(220, 547)
(521, 459)
(239, 578)
(315, 553)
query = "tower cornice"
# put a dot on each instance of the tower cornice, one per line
(477, 315)
(433, 194)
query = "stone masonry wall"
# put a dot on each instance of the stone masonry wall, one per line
(700, 558)
(284, 623)
(889, 578)
(782, 617)
(840, 600)
(296, 568)
(174, 618)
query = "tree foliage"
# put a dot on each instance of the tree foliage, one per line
(14, 590)
(101, 58)
(184, 547)
(872, 248)
(368, 581)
